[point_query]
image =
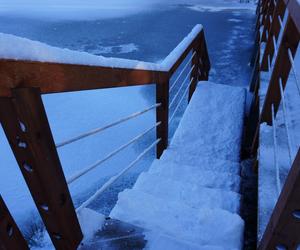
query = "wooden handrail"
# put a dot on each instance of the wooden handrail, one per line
(51, 77)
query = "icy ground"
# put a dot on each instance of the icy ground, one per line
(229, 37)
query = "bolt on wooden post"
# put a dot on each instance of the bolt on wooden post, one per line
(26, 126)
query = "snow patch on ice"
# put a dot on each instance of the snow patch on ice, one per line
(90, 223)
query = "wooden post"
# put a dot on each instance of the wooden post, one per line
(274, 32)
(11, 237)
(267, 21)
(283, 230)
(26, 126)
(162, 113)
(281, 69)
(201, 63)
(195, 76)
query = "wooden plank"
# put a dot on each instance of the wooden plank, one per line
(11, 237)
(162, 114)
(284, 226)
(55, 77)
(25, 124)
(274, 31)
(281, 70)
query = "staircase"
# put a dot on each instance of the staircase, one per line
(189, 198)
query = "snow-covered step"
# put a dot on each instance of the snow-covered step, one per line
(195, 175)
(190, 194)
(180, 156)
(212, 124)
(166, 242)
(202, 226)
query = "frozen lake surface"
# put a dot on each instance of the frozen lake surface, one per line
(148, 36)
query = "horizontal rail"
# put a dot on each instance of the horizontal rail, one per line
(116, 177)
(113, 124)
(57, 77)
(109, 156)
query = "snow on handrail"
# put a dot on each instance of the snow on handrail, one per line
(171, 59)
(278, 183)
(116, 177)
(182, 71)
(178, 92)
(180, 101)
(109, 156)
(285, 117)
(98, 130)
(294, 70)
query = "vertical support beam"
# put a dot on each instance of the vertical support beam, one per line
(195, 72)
(10, 235)
(201, 63)
(267, 21)
(281, 69)
(162, 113)
(26, 126)
(274, 32)
(283, 229)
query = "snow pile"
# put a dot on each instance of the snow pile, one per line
(193, 189)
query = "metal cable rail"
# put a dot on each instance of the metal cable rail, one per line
(278, 183)
(285, 117)
(182, 71)
(109, 156)
(180, 101)
(116, 177)
(98, 130)
(179, 90)
(294, 70)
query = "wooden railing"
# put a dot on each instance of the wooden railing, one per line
(284, 226)
(27, 129)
